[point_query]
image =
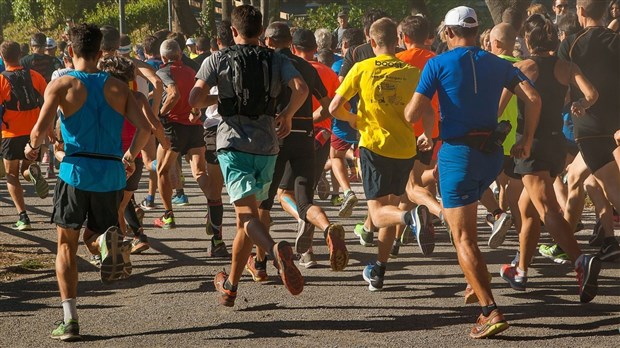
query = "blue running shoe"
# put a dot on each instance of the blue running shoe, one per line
(375, 282)
(180, 200)
(423, 229)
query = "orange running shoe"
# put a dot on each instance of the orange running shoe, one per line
(291, 277)
(489, 326)
(338, 254)
(227, 297)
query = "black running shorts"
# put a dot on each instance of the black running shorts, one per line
(382, 176)
(548, 154)
(597, 152)
(13, 148)
(134, 180)
(184, 137)
(210, 135)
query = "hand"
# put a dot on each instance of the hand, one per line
(521, 149)
(30, 153)
(617, 137)
(283, 126)
(194, 116)
(425, 143)
(129, 164)
(577, 108)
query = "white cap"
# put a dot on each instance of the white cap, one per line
(457, 16)
(50, 43)
(190, 41)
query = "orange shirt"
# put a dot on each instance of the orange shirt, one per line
(331, 83)
(418, 57)
(19, 123)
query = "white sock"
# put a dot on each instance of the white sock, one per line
(69, 307)
(521, 273)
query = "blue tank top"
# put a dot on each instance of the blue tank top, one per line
(92, 139)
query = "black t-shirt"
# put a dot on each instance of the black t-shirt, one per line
(41, 63)
(358, 54)
(190, 63)
(201, 58)
(302, 120)
(596, 50)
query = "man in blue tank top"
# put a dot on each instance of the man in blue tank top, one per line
(93, 173)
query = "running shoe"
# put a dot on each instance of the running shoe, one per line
(423, 229)
(336, 200)
(147, 204)
(322, 187)
(125, 253)
(366, 238)
(610, 250)
(112, 258)
(23, 224)
(208, 225)
(407, 235)
(307, 260)
(36, 178)
(180, 200)
(375, 282)
(489, 219)
(587, 277)
(227, 297)
(95, 260)
(500, 228)
(139, 244)
(140, 214)
(515, 261)
(303, 241)
(555, 253)
(258, 270)
(338, 254)
(489, 326)
(217, 248)
(69, 332)
(509, 274)
(349, 202)
(598, 234)
(395, 250)
(167, 223)
(290, 275)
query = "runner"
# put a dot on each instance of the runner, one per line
(21, 97)
(38, 60)
(248, 161)
(93, 172)
(470, 81)
(546, 160)
(387, 143)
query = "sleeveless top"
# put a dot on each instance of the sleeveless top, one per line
(92, 137)
(552, 93)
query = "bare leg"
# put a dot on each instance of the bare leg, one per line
(577, 174)
(608, 178)
(66, 262)
(530, 230)
(13, 184)
(166, 162)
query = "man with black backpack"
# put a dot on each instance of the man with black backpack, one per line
(38, 60)
(21, 96)
(249, 79)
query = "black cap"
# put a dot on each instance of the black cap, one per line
(304, 39)
(278, 31)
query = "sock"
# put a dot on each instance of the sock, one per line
(216, 214)
(521, 273)
(486, 310)
(379, 268)
(497, 212)
(167, 213)
(180, 192)
(408, 218)
(154, 165)
(150, 198)
(229, 286)
(69, 307)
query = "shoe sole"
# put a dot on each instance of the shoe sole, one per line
(426, 237)
(590, 289)
(347, 207)
(112, 265)
(405, 238)
(222, 300)
(303, 241)
(23, 228)
(165, 227)
(498, 237)
(41, 186)
(140, 248)
(310, 264)
(555, 259)
(370, 287)
(126, 254)
(180, 204)
(338, 253)
(290, 275)
(492, 330)
(322, 189)
(68, 338)
(146, 208)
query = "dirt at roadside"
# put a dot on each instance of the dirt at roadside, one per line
(18, 262)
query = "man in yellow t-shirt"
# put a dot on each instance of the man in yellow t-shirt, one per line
(387, 141)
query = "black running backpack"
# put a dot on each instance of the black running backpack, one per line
(250, 74)
(23, 95)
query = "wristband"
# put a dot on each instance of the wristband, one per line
(32, 147)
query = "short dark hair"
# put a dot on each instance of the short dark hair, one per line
(118, 67)
(353, 37)
(179, 38)
(569, 24)
(224, 34)
(214, 46)
(513, 17)
(247, 20)
(594, 9)
(11, 52)
(38, 40)
(151, 45)
(371, 16)
(162, 35)
(415, 28)
(111, 39)
(86, 40)
(325, 56)
(464, 32)
(541, 34)
(202, 44)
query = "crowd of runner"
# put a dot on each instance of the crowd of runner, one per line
(523, 118)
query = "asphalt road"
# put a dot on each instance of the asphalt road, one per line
(170, 298)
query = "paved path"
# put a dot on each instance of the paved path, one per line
(169, 301)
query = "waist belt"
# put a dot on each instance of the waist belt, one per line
(474, 139)
(96, 156)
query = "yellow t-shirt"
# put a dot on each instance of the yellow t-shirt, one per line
(510, 114)
(385, 86)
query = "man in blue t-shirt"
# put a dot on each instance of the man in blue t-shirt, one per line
(469, 82)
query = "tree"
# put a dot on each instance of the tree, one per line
(497, 7)
(208, 18)
(185, 19)
(227, 7)
(418, 6)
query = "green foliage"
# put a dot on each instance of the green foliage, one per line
(151, 14)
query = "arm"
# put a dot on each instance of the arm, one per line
(338, 110)
(199, 96)
(503, 102)
(589, 92)
(146, 71)
(322, 112)
(421, 106)
(299, 93)
(143, 129)
(156, 128)
(53, 93)
(533, 104)
(172, 98)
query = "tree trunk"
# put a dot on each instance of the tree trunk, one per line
(497, 7)
(264, 9)
(208, 15)
(274, 10)
(185, 19)
(227, 7)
